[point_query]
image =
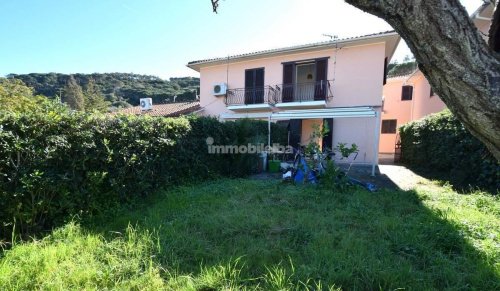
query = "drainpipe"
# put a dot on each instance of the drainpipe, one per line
(413, 92)
(269, 131)
(376, 142)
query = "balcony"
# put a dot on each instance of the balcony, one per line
(247, 99)
(295, 95)
(304, 95)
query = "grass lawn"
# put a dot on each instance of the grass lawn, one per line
(250, 234)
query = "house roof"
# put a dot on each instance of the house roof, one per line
(369, 38)
(485, 6)
(165, 110)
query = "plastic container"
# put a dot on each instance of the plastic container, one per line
(274, 166)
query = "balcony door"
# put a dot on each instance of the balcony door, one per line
(305, 80)
(254, 86)
(305, 76)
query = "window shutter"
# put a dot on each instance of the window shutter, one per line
(259, 86)
(249, 86)
(389, 126)
(321, 76)
(288, 82)
(385, 71)
(407, 93)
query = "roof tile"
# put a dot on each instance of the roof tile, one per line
(165, 110)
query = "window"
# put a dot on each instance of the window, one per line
(389, 126)
(407, 93)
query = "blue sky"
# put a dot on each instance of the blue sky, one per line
(159, 37)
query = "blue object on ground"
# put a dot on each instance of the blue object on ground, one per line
(368, 186)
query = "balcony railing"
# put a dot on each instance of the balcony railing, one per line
(295, 92)
(304, 92)
(248, 96)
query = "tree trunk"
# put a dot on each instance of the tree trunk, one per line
(460, 66)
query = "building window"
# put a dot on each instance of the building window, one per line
(389, 125)
(407, 93)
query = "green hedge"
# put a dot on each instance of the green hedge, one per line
(440, 143)
(55, 164)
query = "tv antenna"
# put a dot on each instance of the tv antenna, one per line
(331, 36)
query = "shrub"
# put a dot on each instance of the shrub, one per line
(55, 163)
(440, 143)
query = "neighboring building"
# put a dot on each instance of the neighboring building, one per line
(165, 110)
(338, 81)
(408, 98)
(482, 18)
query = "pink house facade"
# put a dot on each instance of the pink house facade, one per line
(406, 98)
(337, 82)
(409, 98)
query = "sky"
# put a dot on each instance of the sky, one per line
(159, 37)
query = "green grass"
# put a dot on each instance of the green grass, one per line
(248, 234)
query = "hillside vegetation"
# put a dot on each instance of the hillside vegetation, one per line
(118, 89)
(405, 68)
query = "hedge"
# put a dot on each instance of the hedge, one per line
(440, 143)
(57, 164)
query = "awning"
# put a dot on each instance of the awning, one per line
(334, 112)
(339, 112)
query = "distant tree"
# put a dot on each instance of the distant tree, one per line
(94, 100)
(73, 95)
(15, 96)
(115, 86)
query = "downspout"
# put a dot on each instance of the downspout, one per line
(376, 142)
(412, 93)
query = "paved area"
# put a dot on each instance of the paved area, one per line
(387, 176)
(402, 177)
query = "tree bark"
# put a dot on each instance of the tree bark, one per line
(460, 66)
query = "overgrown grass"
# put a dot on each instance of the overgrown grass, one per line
(247, 234)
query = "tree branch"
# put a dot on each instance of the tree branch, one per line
(494, 33)
(461, 67)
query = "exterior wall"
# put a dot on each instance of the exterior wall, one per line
(424, 104)
(394, 108)
(421, 105)
(358, 76)
(360, 131)
(307, 130)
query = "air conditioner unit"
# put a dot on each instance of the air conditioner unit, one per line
(219, 89)
(146, 103)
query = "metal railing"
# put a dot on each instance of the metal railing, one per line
(294, 92)
(247, 96)
(303, 92)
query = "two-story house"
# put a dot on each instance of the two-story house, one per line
(339, 82)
